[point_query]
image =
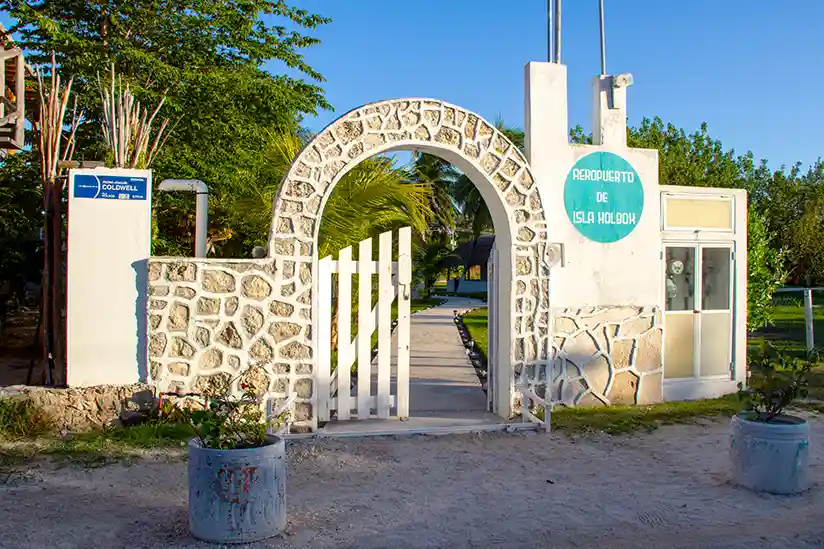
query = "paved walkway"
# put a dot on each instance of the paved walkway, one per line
(444, 389)
(441, 377)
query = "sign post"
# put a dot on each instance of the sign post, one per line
(109, 242)
(603, 197)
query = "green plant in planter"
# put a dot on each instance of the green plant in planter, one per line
(776, 379)
(224, 421)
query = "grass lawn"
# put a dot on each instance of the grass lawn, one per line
(789, 333)
(789, 330)
(477, 324)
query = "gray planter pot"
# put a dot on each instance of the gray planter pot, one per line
(237, 496)
(770, 457)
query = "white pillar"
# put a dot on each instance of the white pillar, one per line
(109, 241)
(609, 113)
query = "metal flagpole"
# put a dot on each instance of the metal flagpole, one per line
(549, 31)
(557, 31)
(603, 39)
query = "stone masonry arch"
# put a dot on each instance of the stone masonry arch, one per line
(223, 323)
(485, 155)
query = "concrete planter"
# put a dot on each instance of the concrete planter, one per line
(770, 457)
(237, 496)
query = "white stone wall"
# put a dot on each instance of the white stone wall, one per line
(607, 355)
(211, 320)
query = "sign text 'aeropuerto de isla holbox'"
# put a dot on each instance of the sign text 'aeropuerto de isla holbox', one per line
(603, 197)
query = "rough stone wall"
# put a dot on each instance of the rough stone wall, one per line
(607, 355)
(84, 408)
(210, 317)
(220, 324)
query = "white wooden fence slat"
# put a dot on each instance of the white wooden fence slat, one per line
(324, 335)
(404, 290)
(354, 354)
(366, 325)
(344, 405)
(384, 322)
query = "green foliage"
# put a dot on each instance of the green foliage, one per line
(766, 271)
(477, 324)
(429, 260)
(694, 159)
(21, 204)
(373, 197)
(208, 56)
(227, 422)
(21, 418)
(793, 204)
(776, 379)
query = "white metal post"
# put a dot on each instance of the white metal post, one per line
(808, 317)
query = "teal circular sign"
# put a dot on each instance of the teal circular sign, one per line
(603, 197)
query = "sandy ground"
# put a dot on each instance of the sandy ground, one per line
(665, 489)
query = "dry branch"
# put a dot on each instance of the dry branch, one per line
(127, 127)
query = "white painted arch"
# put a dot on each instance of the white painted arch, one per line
(497, 168)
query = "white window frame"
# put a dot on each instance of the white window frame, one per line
(665, 196)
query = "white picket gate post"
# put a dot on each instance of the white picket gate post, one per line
(385, 292)
(492, 322)
(404, 289)
(344, 405)
(324, 335)
(366, 326)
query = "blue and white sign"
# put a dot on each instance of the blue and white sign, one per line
(603, 197)
(110, 187)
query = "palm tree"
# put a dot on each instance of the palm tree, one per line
(373, 197)
(440, 176)
(475, 218)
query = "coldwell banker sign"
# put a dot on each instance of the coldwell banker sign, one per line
(603, 196)
(111, 187)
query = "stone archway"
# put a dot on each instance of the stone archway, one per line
(485, 155)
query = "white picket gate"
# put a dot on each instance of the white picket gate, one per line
(372, 394)
(492, 322)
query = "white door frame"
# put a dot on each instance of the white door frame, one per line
(698, 311)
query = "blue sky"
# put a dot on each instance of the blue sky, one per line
(750, 68)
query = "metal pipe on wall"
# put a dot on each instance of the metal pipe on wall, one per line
(202, 207)
(603, 39)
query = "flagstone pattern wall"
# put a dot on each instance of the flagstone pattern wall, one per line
(211, 318)
(220, 324)
(607, 355)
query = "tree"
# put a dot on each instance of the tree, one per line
(208, 57)
(793, 205)
(440, 176)
(767, 271)
(21, 220)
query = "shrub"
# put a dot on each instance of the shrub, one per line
(776, 380)
(226, 422)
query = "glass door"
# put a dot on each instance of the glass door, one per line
(715, 311)
(697, 310)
